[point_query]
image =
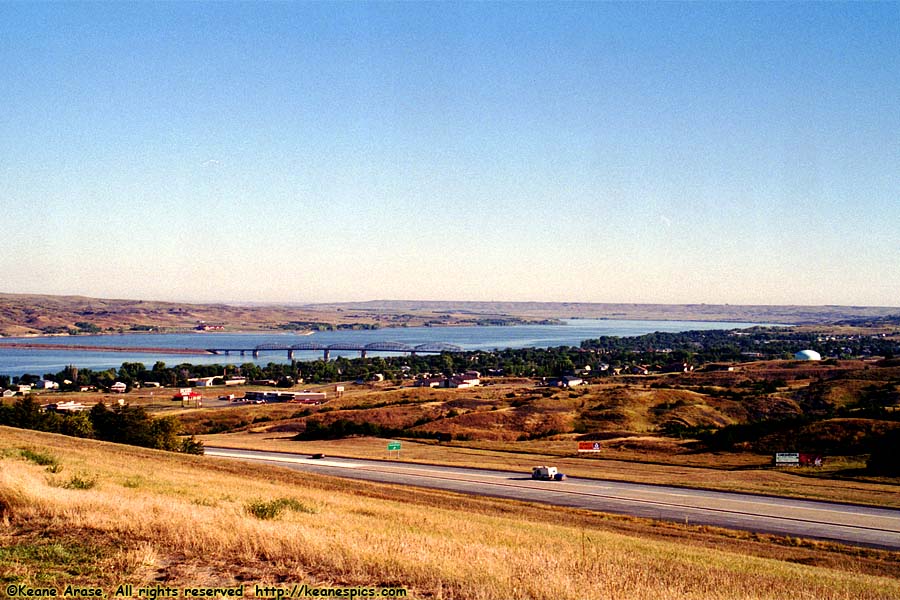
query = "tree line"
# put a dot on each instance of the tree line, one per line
(126, 424)
(596, 357)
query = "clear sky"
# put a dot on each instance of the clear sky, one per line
(720, 153)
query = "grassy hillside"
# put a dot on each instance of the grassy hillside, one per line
(29, 314)
(99, 514)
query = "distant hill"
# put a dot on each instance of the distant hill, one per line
(33, 314)
(30, 314)
(790, 315)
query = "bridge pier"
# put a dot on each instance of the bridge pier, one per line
(290, 355)
(362, 353)
(256, 354)
(327, 353)
(242, 352)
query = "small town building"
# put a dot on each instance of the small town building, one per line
(46, 384)
(571, 381)
(677, 367)
(118, 387)
(187, 395)
(430, 382)
(68, 407)
(807, 355)
(304, 397)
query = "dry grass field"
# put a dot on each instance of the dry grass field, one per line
(101, 514)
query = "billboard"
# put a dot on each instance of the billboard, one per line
(798, 459)
(811, 460)
(589, 446)
(787, 459)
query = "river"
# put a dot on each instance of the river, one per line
(15, 361)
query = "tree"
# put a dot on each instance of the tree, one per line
(77, 425)
(191, 445)
(883, 460)
(164, 434)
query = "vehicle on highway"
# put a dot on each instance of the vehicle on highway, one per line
(318, 455)
(545, 473)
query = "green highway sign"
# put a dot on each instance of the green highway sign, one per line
(393, 446)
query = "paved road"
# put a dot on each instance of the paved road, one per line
(857, 525)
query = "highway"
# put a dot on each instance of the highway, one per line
(845, 523)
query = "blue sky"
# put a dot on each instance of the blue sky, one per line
(640, 152)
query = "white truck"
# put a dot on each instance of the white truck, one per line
(545, 473)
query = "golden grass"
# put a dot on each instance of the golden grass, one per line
(181, 520)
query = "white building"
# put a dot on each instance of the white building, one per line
(807, 355)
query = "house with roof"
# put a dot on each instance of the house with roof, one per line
(570, 381)
(466, 380)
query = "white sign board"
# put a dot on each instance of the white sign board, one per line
(787, 458)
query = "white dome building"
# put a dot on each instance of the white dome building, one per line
(807, 355)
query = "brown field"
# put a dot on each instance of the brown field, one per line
(104, 514)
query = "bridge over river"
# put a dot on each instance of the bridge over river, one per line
(429, 348)
(398, 347)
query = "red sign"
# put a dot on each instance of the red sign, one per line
(589, 446)
(811, 460)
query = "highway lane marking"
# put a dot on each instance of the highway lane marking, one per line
(724, 497)
(285, 459)
(720, 496)
(560, 490)
(651, 502)
(420, 470)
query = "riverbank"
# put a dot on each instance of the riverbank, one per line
(31, 314)
(284, 346)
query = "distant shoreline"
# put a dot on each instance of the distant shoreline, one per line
(284, 332)
(30, 315)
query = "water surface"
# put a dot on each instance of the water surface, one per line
(570, 333)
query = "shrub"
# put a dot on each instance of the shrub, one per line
(80, 482)
(43, 459)
(191, 445)
(271, 509)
